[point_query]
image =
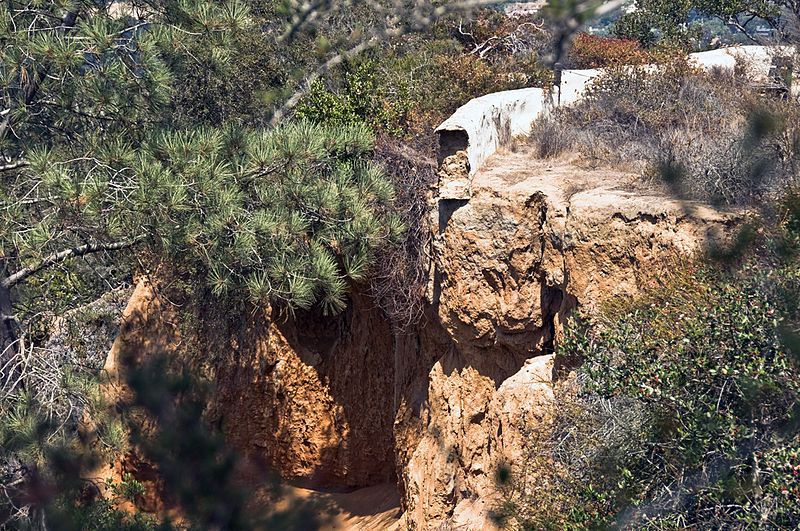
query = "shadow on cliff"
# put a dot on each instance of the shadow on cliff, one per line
(199, 474)
(353, 356)
(508, 352)
(311, 395)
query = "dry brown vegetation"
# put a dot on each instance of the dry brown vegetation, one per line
(400, 274)
(711, 136)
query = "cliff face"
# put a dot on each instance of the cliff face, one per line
(342, 402)
(309, 397)
(312, 396)
(534, 242)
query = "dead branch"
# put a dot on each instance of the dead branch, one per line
(83, 250)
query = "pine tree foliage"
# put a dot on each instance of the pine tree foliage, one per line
(285, 215)
(84, 84)
(92, 157)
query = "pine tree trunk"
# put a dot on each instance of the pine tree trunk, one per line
(9, 328)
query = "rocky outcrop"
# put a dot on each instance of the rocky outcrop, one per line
(469, 428)
(454, 177)
(312, 397)
(538, 239)
(344, 402)
(309, 397)
(84, 335)
(534, 242)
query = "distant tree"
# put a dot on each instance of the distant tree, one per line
(669, 22)
(653, 21)
(781, 15)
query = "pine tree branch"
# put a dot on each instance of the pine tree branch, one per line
(305, 14)
(14, 165)
(30, 91)
(55, 258)
(742, 27)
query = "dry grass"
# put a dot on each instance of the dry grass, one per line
(709, 135)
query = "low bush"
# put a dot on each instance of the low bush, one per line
(591, 51)
(711, 135)
(550, 138)
(407, 96)
(361, 98)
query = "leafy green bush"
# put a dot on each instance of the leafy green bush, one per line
(685, 408)
(408, 93)
(706, 358)
(362, 98)
(407, 88)
(659, 21)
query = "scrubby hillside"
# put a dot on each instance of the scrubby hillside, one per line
(244, 285)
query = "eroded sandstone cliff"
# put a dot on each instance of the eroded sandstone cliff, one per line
(343, 402)
(534, 242)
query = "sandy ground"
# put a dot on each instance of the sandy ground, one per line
(519, 166)
(373, 508)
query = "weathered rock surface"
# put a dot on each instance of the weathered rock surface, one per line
(343, 402)
(454, 177)
(84, 335)
(469, 428)
(309, 397)
(535, 241)
(312, 397)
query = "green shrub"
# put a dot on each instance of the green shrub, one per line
(680, 408)
(322, 105)
(659, 22)
(361, 98)
(407, 93)
(706, 358)
(405, 89)
(686, 409)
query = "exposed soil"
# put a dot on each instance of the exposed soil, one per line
(372, 508)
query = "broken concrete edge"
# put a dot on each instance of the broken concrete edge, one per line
(483, 125)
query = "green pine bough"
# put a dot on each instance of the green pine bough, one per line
(285, 216)
(95, 162)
